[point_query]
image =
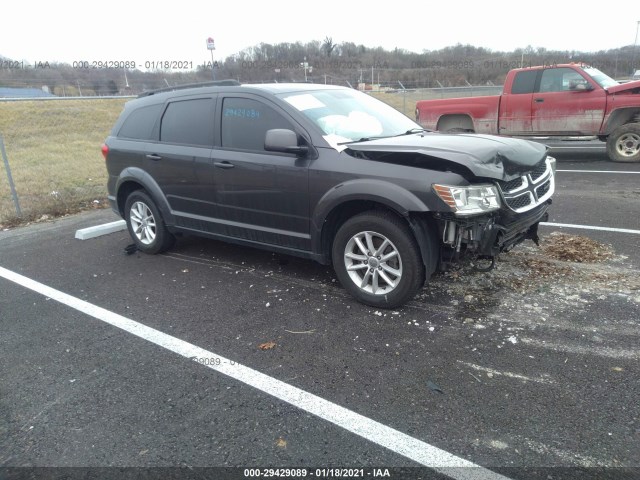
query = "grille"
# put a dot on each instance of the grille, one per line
(542, 190)
(519, 202)
(524, 193)
(539, 171)
(511, 185)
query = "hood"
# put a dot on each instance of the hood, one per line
(499, 158)
(624, 87)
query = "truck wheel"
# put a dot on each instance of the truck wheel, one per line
(146, 227)
(377, 260)
(623, 145)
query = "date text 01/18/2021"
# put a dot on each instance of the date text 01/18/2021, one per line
(332, 472)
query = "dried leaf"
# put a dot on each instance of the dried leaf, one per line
(267, 345)
(574, 248)
(281, 443)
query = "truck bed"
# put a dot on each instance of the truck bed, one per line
(459, 111)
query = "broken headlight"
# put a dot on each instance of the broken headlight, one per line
(471, 200)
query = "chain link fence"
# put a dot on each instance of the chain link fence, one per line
(52, 156)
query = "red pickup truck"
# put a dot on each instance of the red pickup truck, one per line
(558, 100)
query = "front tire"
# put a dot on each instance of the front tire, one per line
(377, 260)
(623, 145)
(145, 224)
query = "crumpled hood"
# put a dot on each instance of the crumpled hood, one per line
(500, 158)
(623, 87)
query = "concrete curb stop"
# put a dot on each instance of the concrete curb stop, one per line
(98, 230)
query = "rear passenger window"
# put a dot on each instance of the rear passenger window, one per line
(188, 122)
(524, 82)
(139, 124)
(245, 123)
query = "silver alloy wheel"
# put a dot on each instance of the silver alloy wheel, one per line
(373, 263)
(143, 223)
(628, 144)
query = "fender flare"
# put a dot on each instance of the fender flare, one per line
(618, 117)
(146, 181)
(386, 193)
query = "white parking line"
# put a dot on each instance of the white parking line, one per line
(517, 376)
(581, 349)
(599, 171)
(394, 440)
(578, 147)
(591, 227)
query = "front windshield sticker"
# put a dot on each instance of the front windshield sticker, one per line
(335, 141)
(304, 102)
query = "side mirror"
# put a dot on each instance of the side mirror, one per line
(285, 141)
(581, 87)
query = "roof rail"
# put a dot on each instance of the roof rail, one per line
(214, 83)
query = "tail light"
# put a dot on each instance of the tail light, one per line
(105, 150)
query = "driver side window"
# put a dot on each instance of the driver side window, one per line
(560, 80)
(245, 123)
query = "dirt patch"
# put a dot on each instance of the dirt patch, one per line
(564, 272)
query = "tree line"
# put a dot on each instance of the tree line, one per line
(320, 61)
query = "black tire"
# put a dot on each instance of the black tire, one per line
(361, 281)
(623, 145)
(145, 224)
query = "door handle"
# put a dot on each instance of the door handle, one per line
(538, 100)
(224, 164)
(153, 156)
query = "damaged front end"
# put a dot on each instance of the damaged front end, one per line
(488, 219)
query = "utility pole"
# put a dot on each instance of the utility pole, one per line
(305, 65)
(211, 46)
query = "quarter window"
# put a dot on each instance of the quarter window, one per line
(139, 124)
(524, 82)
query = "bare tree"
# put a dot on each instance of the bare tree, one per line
(328, 46)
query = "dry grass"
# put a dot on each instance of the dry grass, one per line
(403, 102)
(53, 149)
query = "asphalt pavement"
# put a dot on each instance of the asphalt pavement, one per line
(507, 370)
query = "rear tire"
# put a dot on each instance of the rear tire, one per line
(377, 260)
(145, 224)
(623, 145)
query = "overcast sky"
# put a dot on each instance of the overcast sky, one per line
(116, 30)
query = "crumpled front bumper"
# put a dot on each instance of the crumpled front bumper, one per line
(488, 235)
(495, 238)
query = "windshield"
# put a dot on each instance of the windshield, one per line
(350, 115)
(601, 79)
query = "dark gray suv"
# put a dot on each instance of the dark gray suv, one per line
(326, 173)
